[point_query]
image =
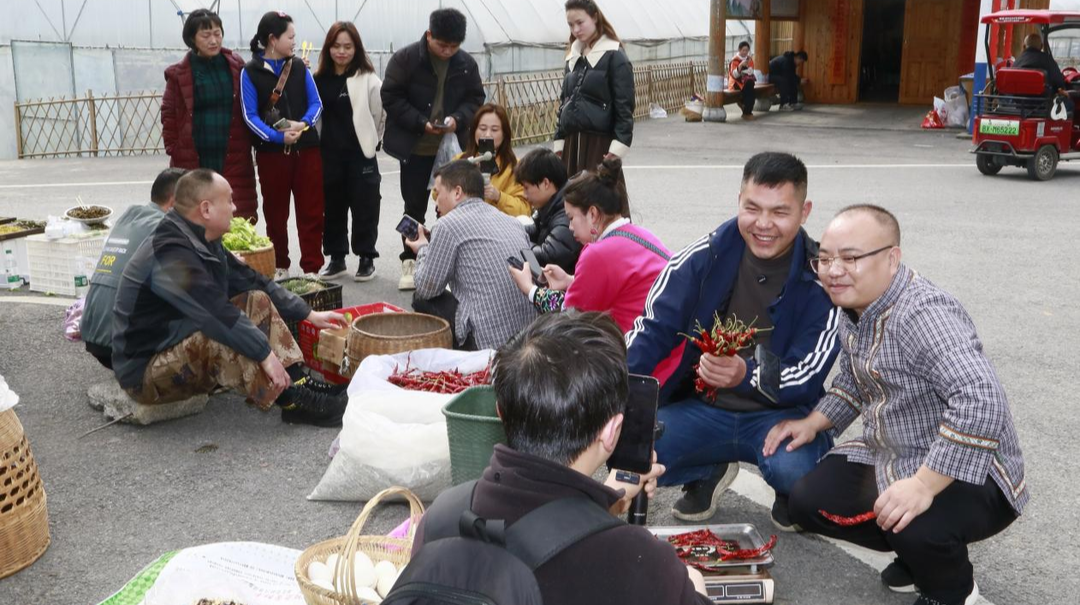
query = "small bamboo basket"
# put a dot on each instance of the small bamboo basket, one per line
(389, 333)
(261, 260)
(377, 548)
(24, 519)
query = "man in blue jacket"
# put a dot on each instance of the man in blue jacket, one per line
(753, 268)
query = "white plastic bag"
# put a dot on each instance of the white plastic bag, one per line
(449, 148)
(656, 112)
(8, 398)
(391, 436)
(954, 108)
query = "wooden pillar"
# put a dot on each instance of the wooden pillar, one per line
(798, 36)
(714, 85)
(763, 38)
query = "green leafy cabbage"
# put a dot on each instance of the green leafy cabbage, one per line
(242, 237)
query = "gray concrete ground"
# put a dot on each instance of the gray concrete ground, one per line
(120, 497)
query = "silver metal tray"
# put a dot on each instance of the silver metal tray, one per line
(745, 534)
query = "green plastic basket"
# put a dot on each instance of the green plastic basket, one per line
(473, 428)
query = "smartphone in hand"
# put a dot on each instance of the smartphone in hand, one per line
(281, 124)
(516, 262)
(534, 266)
(633, 451)
(409, 227)
(487, 146)
(768, 373)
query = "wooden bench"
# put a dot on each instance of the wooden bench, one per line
(763, 100)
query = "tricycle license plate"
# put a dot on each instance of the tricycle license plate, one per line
(1002, 127)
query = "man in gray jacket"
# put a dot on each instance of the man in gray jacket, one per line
(938, 464)
(133, 226)
(191, 317)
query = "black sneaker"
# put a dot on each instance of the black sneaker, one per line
(780, 516)
(366, 270)
(701, 498)
(310, 407)
(897, 577)
(334, 269)
(319, 386)
(969, 599)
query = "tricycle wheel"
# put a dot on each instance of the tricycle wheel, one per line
(988, 164)
(1043, 165)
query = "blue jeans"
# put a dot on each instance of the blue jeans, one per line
(699, 437)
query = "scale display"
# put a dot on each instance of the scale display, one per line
(749, 591)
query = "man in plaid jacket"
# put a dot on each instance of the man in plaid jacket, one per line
(938, 461)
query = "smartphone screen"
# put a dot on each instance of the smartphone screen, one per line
(768, 373)
(633, 452)
(487, 146)
(408, 227)
(534, 266)
(516, 262)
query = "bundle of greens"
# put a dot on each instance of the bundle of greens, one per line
(242, 237)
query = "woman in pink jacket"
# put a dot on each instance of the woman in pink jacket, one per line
(617, 266)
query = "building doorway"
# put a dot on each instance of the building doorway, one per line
(882, 51)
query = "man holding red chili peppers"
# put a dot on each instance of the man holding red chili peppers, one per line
(938, 465)
(752, 269)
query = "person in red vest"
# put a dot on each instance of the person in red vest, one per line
(201, 119)
(741, 77)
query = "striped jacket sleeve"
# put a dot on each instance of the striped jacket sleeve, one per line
(804, 365)
(949, 354)
(669, 308)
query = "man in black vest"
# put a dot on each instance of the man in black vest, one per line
(432, 87)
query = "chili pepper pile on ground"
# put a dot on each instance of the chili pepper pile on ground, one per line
(699, 548)
(849, 521)
(725, 339)
(448, 382)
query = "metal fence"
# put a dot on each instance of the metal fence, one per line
(130, 124)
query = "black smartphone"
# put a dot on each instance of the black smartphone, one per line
(441, 126)
(768, 373)
(534, 266)
(409, 227)
(633, 452)
(487, 146)
(516, 262)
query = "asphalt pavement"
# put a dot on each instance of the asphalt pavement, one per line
(1003, 245)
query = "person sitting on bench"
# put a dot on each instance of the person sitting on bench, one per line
(741, 78)
(1034, 57)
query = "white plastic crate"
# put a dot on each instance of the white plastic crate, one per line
(52, 262)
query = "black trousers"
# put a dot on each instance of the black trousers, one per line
(788, 87)
(933, 546)
(102, 354)
(749, 95)
(415, 174)
(444, 306)
(350, 184)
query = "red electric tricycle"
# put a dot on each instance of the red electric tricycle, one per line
(1016, 122)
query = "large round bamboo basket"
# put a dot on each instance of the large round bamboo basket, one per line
(389, 333)
(24, 520)
(377, 548)
(261, 260)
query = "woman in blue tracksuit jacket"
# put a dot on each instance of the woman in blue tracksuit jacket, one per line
(697, 282)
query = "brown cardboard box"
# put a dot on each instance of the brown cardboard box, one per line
(331, 347)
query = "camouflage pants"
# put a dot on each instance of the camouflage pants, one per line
(197, 365)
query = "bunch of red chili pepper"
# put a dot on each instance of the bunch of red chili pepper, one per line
(697, 548)
(849, 521)
(447, 381)
(726, 338)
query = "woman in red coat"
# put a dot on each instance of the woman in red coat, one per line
(201, 117)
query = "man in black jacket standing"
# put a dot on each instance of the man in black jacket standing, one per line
(432, 88)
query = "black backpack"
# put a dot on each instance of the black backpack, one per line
(468, 560)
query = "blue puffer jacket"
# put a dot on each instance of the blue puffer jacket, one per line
(698, 281)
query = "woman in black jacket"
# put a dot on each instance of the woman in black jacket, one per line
(596, 113)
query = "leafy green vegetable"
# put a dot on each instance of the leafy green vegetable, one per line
(301, 286)
(242, 237)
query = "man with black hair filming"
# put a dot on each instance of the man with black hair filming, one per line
(432, 88)
(561, 387)
(753, 269)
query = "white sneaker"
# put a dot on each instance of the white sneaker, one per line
(280, 274)
(408, 268)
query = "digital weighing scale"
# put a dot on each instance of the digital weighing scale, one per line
(745, 581)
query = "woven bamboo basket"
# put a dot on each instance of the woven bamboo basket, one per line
(261, 260)
(389, 333)
(24, 519)
(377, 548)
